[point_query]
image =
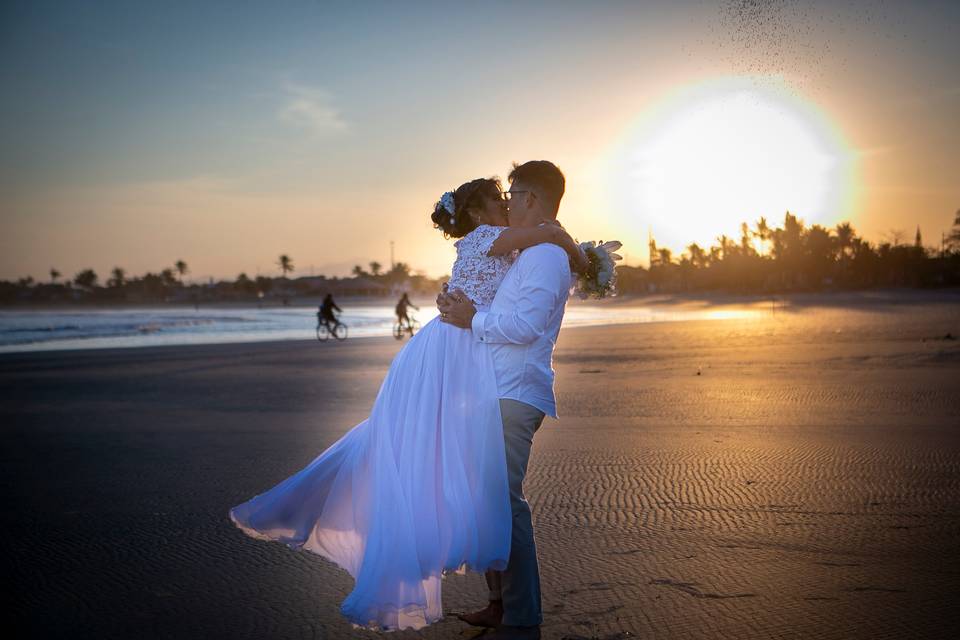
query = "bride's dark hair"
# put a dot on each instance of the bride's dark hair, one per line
(467, 197)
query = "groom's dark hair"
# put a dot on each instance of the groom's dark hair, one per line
(545, 177)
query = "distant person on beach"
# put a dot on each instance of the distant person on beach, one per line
(326, 309)
(401, 310)
(431, 481)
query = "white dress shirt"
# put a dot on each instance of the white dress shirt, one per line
(522, 324)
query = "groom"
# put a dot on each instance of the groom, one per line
(521, 328)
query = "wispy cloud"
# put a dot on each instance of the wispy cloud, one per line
(312, 108)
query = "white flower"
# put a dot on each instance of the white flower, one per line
(446, 200)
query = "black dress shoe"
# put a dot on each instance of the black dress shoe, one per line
(510, 632)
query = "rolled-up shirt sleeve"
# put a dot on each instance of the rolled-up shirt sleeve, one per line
(543, 282)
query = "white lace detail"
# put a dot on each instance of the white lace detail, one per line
(476, 273)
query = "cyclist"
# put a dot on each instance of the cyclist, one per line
(402, 316)
(325, 312)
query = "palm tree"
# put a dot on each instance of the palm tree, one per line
(166, 276)
(953, 240)
(664, 256)
(375, 268)
(86, 279)
(182, 269)
(763, 233)
(792, 231)
(746, 247)
(358, 271)
(697, 256)
(819, 253)
(54, 274)
(118, 277)
(286, 264)
(845, 241)
(776, 238)
(845, 237)
(726, 246)
(399, 272)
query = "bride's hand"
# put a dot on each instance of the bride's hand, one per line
(457, 309)
(580, 263)
(578, 258)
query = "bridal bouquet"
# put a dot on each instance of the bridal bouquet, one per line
(601, 276)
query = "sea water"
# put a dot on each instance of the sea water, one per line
(142, 327)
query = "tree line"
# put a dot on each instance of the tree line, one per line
(792, 257)
(168, 285)
(797, 257)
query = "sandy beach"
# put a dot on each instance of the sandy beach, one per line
(791, 475)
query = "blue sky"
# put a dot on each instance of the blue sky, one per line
(136, 134)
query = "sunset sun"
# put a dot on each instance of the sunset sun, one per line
(711, 157)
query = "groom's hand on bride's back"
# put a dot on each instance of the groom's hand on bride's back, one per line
(456, 308)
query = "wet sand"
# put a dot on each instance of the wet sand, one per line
(806, 484)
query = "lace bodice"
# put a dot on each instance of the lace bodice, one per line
(476, 273)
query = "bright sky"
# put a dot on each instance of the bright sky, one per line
(136, 134)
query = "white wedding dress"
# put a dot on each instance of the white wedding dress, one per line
(417, 489)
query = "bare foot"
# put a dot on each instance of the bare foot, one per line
(489, 617)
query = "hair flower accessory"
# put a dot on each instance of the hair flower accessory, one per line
(447, 202)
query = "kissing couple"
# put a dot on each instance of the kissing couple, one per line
(432, 481)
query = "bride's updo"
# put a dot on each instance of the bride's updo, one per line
(468, 197)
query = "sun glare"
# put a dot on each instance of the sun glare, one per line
(721, 153)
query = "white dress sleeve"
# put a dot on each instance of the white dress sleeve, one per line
(476, 273)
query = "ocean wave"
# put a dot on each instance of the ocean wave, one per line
(14, 330)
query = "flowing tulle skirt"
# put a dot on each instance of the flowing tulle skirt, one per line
(416, 490)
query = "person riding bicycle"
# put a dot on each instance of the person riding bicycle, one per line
(402, 316)
(325, 312)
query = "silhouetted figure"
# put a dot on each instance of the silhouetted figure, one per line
(402, 317)
(325, 312)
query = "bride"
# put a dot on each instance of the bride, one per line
(419, 488)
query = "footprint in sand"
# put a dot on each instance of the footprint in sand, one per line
(593, 586)
(691, 588)
(868, 588)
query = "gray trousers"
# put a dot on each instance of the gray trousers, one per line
(520, 582)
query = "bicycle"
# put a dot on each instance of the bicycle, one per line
(399, 328)
(325, 330)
